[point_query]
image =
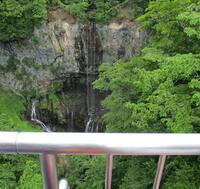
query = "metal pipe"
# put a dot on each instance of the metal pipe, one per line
(8, 142)
(109, 172)
(159, 172)
(49, 173)
(100, 143)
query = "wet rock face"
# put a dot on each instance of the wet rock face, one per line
(59, 47)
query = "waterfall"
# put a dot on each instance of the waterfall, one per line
(93, 125)
(72, 121)
(90, 76)
(34, 116)
(97, 126)
(90, 70)
(88, 125)
(68, 120)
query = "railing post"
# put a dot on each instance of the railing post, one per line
(49, 172)
(159, 172)
(109, 171)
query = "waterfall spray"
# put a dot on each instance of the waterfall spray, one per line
(34, 117)
(88, 125)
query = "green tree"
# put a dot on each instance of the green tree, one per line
(31, 178)
(12, 167)
(86, 172)
(7, 176)
(93, 10)
(159, 90)
(17, 18)
(11, 109)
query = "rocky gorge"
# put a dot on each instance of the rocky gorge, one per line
(65, 51)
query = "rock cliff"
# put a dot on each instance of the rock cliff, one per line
(60, 47)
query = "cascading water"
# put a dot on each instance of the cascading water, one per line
(34, 117)
(68, 120)
(84, 109)
(72, 121)
(91, 71)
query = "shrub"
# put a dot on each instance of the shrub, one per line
(17, 18)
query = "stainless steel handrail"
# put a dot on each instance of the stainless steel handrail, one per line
(100, 143)
(110, 144)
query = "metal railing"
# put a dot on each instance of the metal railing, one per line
(110, 144)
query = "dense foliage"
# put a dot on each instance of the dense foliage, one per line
(11, 110)
(102, 11)
(93, 10)
(17, 18)
(16, 171)
(158, 91)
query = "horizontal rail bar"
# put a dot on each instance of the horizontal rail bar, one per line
(100, 143)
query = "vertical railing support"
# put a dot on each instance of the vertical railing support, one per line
(109, 172)
(49, 172)
(159, 172)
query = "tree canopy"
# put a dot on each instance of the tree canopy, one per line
(16, 171)
(158, 91)
(17, 18)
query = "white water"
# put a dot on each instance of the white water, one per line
(34, 117)
(88, 125)
(93, 125)
(97, 126)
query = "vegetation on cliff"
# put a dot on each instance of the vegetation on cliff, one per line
(17, 18)
(102, 11)
(11, 112)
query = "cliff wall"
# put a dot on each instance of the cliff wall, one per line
(59, 48)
